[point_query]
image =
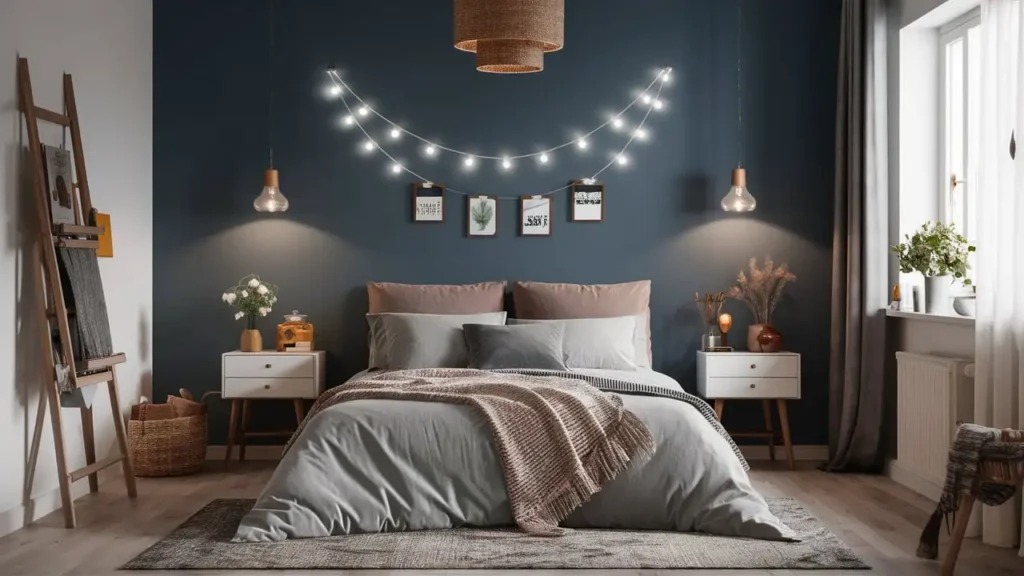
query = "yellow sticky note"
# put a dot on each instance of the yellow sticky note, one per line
(106, 249)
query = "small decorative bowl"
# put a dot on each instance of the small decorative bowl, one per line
(964, 306)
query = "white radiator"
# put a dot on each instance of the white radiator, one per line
(933, 394)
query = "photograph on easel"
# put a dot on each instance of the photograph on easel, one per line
(59, 185)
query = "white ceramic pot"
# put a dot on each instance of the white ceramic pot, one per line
(938, 294)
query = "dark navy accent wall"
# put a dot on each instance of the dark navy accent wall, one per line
(349, 220)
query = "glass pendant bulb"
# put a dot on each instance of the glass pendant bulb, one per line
(739, 198)
(271, 199)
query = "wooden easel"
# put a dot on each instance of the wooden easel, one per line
(53, 310)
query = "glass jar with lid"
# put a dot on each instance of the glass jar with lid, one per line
(295, 333)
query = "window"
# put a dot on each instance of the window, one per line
(960, 118)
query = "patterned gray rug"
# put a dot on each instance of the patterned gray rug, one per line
(204, 543)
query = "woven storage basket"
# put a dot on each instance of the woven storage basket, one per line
(169, 446)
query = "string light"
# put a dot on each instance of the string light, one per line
(666, 74)
(335, 90)
(360, 109)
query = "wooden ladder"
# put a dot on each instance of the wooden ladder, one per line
(53, 309)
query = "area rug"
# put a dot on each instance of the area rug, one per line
(204, 543)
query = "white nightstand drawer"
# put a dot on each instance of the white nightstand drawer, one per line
(270, 388)
(269, 366)
(752, 388)
(738, 365)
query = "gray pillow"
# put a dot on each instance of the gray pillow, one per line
(406, 341)
(603, 343)
(527, 346)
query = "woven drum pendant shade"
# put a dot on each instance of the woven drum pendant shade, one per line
(509, 36)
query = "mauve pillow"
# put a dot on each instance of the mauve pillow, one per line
(543, 301)
(537, 346)
(388, 297)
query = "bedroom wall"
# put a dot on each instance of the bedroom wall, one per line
(349, 220)
(107, 47)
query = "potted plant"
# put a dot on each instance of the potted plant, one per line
(941, 254)
(761, 292)
(253, 298)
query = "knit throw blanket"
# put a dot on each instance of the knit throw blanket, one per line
(560, 440)
(972, 444)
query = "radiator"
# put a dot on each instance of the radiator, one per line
(934, 393)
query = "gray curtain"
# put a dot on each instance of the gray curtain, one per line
(860, 253)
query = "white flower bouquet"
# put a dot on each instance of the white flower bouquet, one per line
(252, 297)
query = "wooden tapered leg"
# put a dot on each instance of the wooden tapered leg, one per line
(245, 428)
(767, 406)
(57, 422)
(122, 436)
(300, 412)
(956, 539)
(232, 429)
(719, 408)
(88, 435)
(787, 442)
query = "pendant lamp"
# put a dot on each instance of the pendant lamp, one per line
(270, 199)
(509, 36)
(739, 199)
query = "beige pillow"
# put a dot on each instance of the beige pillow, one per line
(387, 297)
(543, 301)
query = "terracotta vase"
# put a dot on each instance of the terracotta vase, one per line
(763, 338)
(252, 341)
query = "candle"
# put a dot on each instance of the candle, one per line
(725, 323)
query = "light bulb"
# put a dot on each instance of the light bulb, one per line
(739, 199)
(363, 110)
(430, 150)
(582, 143)
(348, 120)
(622, 159)
(543, 158)
(369, 145)
(657, 104)
(640, 134)
(647, 99)
(506, 163)
(335, 90)
(665, 74)
(396, 168)
(271, 199)
(617, 122)
(395, 133)
(469, 161)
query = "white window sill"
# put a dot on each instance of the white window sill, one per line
(938, 318)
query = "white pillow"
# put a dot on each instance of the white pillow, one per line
(404, 341)
(602, 343)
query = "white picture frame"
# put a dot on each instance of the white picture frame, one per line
(60, 187)
(535, 216)
(481, 216)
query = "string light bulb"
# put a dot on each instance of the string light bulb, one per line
(582, 143)
(640, 134)
(363, 111)
(543, 158)
(430, 150)
(622, 160)
(396, 168)
(657, 104)
(395, 133)
(666, 74)
(469, 161)
(335, 90)
(348, 120)
(506, 163)
(616, 122)
(369, 145)
(646, 99)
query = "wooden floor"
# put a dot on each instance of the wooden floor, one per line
(879, 519)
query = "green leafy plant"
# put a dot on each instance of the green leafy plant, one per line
(936, 249)
(482, 214)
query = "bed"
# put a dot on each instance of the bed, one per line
(379, 465)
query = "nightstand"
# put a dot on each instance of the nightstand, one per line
(725, 376)
(248, 376)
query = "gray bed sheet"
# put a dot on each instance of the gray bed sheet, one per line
(386, 465)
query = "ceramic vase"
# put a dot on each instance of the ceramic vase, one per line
(252, 341)
(937, 291)
(763, 338)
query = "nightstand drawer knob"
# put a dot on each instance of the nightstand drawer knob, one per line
(752, 366)
(753, 385)
(267, 386)
(268, 366)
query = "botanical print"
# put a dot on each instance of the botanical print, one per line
(59, 184)
(483, 212)
(536, 217)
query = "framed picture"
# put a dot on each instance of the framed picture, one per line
(481, 216)
(587, 199)
(427, 202)
(535, 216)
(60, 187)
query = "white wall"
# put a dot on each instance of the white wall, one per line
(107, 46)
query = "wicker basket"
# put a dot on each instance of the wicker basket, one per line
(162, 446)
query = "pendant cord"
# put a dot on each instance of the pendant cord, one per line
(270, 83)
(739, 83)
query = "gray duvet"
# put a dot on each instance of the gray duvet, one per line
(388, 465)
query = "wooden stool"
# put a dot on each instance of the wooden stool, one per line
(996, 471)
